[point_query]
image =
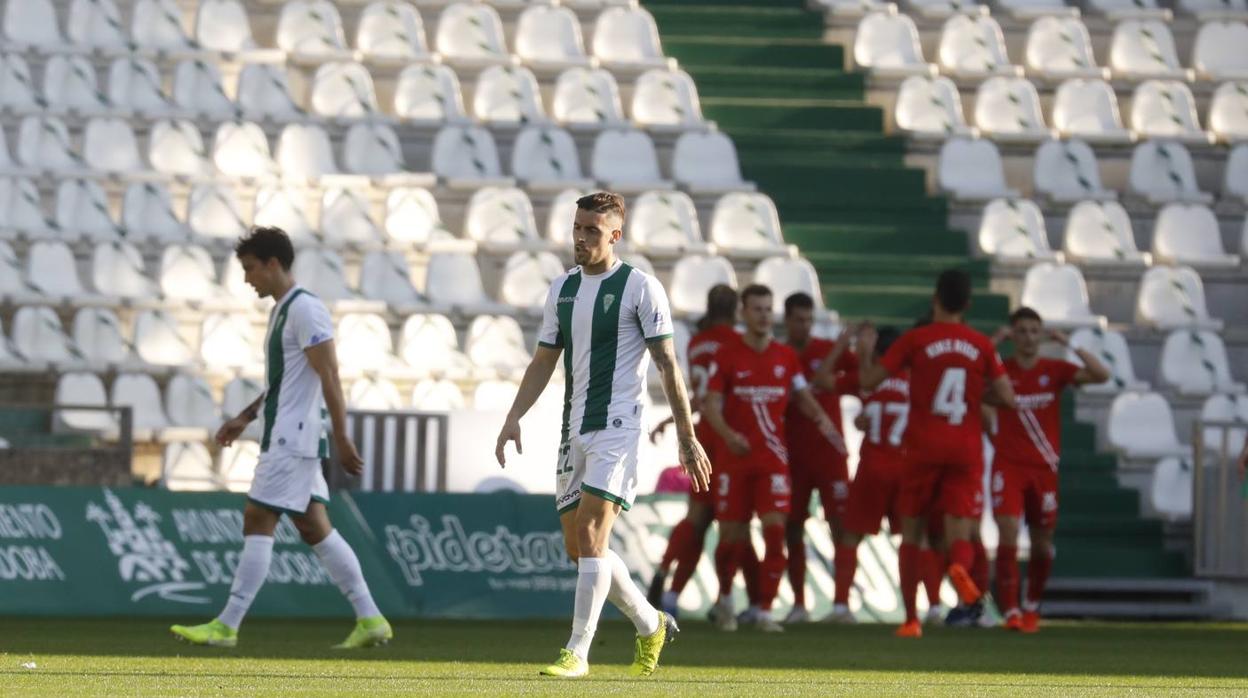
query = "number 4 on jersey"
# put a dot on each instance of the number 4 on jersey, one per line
(950, 399)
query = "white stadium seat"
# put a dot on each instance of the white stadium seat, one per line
(549, 37)
(501, 219)
(117, 271)
(11, 282)
(428, 93)
(159, 342)
(391, 30)
(189, 402)
(51, 272)
(494, 395)
(624, 160)
(706, 162)
(373, 149)
(139, 392)
(1141, 425)
(1060, 48)
(1171, 488)
(1100, 232)
(17, 88)
(229, 343)
(95, 24)
(264, 93)
(70, 84)
(374, 394)
(198, 88)
(1059, 293)
(176, 147)
(385, 276)
(666, 98)
(346, 218)
(971, 169)
(1235, 182)
(237, 463)
(86, 390)
(284, 207)
(1166, 109)
(626, 38)
(1225, 408)
(665, 224)
(786, 276)
(1228, 112)
(43, 144)
(559, 220)
(1215, 9)
(304, 153)
(943, 9)
(930, 108)
(1194, 362)
(496, 342)
(213, 211)
(412, 217)
(1189, 234)
(1088, 109)
(82, 209)
(471, 34)
(1067, 171)
(437, 396)
(109, 145)
(453, 281)
(187, 274)
(236, 396)
(466, 156)
(21, 209)
(507, 95)
(1142, 49)
(147, 213)
(428, 343)
(310, 28)
(240, 149)
(186, 466)
(321, 272)
(1172, 298)
(222, 25)
(546, 158)
(692, 277)
(32, 23)
(1129, 9)
(1111, 348)
(98, 336)
(585, 97)
(526, 279)
(1013, 230)
(343, 91)
(364, 345)
(1163, 172)
(1218, 52)
(1008, 109)
(158, 25)
(134, 84)
(974, 47)
(39, 335)
(887, 44)
(854, 8)
(746, 225)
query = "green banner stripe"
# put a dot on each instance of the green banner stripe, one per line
(604, 345)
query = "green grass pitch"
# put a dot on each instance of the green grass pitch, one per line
(137, 657)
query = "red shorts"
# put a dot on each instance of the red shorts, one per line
(944, 477)
(875, 494)
(742, 492)
(829, 474)
(1025, 490)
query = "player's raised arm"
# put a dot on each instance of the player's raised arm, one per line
(1093, 370)
(825, 377)
(692, 457)
(870, 371)
(324, 360)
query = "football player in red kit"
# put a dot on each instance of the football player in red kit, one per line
(748, 394)
(815, 463)
(951, 366)
(687, 538)
(1027, 448)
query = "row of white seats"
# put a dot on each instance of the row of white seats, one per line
(973, 48)
(1008, 109)
(424, 93)
(1168, 298)
(468, 32)
(1193, 362)
(498, 219)
(464, 156)
(1025, 10)
(189, 466)
(1100, 232)
(1161, 172)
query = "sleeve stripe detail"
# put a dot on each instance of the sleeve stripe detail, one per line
(549, 345)
(658, 338)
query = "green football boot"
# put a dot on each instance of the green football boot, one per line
(368, 632)
(214, 633)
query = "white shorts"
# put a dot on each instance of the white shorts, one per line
(287, 484)
(602, 463)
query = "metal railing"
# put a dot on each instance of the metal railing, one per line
(402, 451)
(1219, 504)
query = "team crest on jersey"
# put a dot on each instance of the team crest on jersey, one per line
(1044, 381)
(607, 300)
(779, 371)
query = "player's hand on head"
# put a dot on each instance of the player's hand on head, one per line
(1002, 334)
(348, 457)
(696, 464)
(1059, 336)
(509, 432)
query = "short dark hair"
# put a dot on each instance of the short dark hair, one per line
(1025, 313)
(754, 290)
(603, 202)
(798, 301)
(265, 243)
(953, 290)
(885, 336)
(721, 302)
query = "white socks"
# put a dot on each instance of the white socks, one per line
(629, 599)
(344, 568)
(593, 583)
(253, 567)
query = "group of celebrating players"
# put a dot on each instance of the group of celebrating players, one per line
(771, 425)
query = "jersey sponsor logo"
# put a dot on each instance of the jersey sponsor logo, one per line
(759, 393)
(565, 299)
(1035, 401)
(607, 300)
(952, 346)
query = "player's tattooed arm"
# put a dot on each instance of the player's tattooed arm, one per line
(692, 457)
(810, 407)
(536, 377)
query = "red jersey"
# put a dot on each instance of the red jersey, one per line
(804, 436)
(950, 365)
(1032, 434)
(703, 348)
(756, 387)
(887, 409)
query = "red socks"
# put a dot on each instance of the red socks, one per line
(846, 565)
(687, 558)
(908, 561)
(932, 567)
(772, 568)
(797, 567)
(979, 568)
(727, 557)
(749, 568)
(1037, 576)
(677, 541)
(1007, 577)
(962, 553)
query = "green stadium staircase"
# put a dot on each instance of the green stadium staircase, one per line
(805, 134)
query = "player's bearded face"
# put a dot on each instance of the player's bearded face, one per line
(1026, 335)
(593, 234)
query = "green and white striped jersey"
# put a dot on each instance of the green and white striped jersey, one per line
(294, 408)
(603, 323)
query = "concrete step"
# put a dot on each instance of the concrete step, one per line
(1137, 599)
